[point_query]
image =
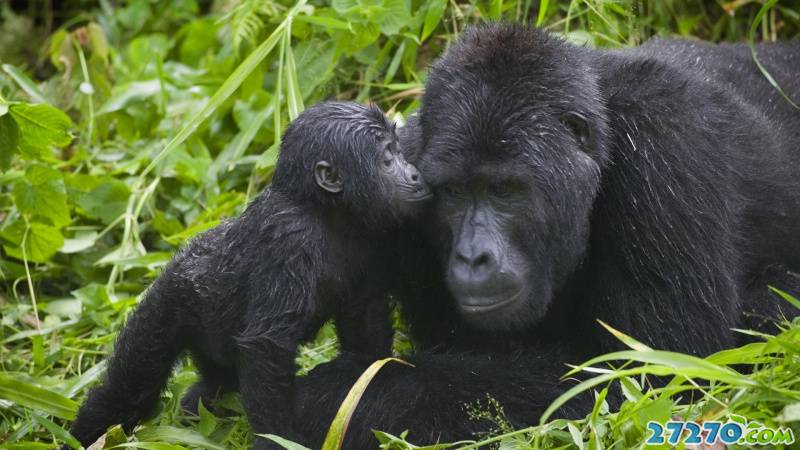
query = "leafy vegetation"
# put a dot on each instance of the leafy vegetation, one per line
(127, 127)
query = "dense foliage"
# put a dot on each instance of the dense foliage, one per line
(127, 127)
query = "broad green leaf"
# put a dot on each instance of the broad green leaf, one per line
(208, 422)
(80, 242)
(124, 94)
(9, 140)
(42, 241)
(114, 436)
(432, 17)
(577, 437)
(42, 127)
(344, 6)
(42, 193)
(338, 429)
(106, 201)
(97, 39)
(396, 17)
(36, 398)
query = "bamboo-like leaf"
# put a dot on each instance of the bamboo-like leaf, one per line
(25, 83)
(795, 302)
(338, 429)
(627, 340)
(294, 98)
(432, 17)
(285, 443)
(227, 89)
(36, 398)
(687, 365)
(752, 42)
(60, 434)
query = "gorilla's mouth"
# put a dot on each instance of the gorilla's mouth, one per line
(480, 305)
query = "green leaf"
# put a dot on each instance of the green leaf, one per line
(328, 22)
(9, 140)
(36, 398)
(42, 127)
(124, 94)
(42, 241)
(336, 433)
(576, 435)
(25, 83)
(625, 339)
(793, 301)
(42, 193)
(396, 17)
(285, 443)
(59, 433)
(177, 435)
(80, 242)
(228, 87)
(106, 201)
(432, 17)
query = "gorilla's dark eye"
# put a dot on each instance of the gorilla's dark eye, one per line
(453, 189)
(502, 190)
(578, 126)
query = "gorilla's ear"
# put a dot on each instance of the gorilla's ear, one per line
(327, 177)
(579, 127)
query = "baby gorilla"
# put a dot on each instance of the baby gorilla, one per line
(240, 298)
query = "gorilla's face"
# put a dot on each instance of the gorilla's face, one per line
(515, 166)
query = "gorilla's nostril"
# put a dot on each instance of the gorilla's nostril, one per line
(414, 177)
(481, 260)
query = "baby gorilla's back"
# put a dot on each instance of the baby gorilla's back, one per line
(244, 295)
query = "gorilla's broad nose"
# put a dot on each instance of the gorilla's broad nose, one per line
(473, 264)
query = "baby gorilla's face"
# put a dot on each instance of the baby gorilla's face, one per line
(402, 183)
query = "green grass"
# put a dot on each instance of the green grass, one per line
(128, 127)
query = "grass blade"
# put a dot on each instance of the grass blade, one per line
(227, 89)
(338, 429)
(36, 398)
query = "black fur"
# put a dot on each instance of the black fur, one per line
(241, 297)
(655, 188)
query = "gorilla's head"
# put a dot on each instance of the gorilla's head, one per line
(513, 132)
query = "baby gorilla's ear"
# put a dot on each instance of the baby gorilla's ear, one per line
(328, 177)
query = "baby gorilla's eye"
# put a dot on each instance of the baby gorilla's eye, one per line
(388, 158)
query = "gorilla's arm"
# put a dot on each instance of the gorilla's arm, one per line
(431, 398)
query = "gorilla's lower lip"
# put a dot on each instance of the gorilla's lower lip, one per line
(493, 304)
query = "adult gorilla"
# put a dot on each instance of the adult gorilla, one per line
(656, 188)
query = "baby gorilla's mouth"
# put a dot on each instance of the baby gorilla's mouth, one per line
(419, 194)
(420, 197)
(479, 305)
